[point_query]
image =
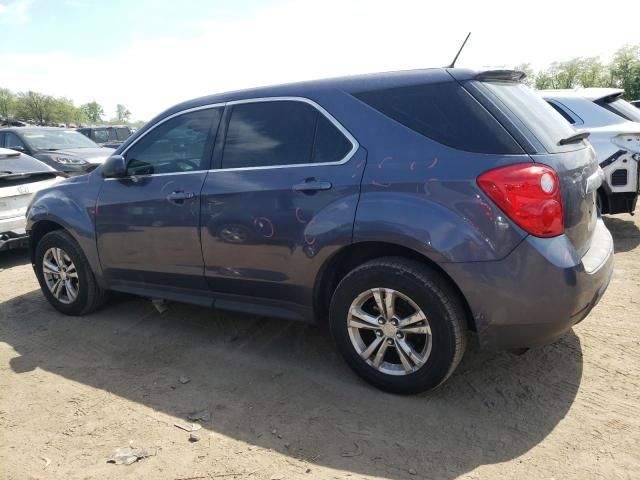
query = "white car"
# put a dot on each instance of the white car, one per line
(20, 176)
(614, 127)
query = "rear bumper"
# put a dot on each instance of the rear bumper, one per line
(13, 234)
(538, 292)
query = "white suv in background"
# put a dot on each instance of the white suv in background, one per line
(614, 125)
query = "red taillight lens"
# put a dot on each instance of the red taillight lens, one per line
(529, 194)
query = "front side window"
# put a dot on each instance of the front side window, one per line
(177, 145)
(279, 133)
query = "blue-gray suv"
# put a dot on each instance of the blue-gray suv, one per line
(405, 208)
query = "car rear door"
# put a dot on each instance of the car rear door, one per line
(148, 223)
(280, 201)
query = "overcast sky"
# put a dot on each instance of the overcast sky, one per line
(149, 55)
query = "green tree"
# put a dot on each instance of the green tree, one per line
(122, 113)
(625, 71)
(544, 81)
(591, 72)
(530, 77)
(7, 104)
(36, 107)
(93, 111)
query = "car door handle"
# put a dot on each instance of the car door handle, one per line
(179, 196)
(312, 185)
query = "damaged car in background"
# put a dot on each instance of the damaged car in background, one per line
(614, 128)
(20, 177)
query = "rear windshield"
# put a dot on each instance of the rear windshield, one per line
(533, 113)
(621, 108)
(444, 112)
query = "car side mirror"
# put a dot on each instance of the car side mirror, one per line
(18, 148)
(114, 167)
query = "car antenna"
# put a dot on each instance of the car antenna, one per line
(453, 64)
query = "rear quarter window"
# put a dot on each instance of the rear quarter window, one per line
(444, 112)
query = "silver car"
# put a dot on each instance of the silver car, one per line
(614, 127)
(20, 176)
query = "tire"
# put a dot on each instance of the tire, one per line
(89, 296)
(438, 347)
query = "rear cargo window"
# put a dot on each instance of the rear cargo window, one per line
(534, 113)
(446, 113)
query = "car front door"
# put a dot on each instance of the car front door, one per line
(280, 200)
(147, 223)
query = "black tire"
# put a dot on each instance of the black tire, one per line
(432, 293)
(89, 295)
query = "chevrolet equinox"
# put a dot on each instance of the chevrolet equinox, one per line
(405, 208)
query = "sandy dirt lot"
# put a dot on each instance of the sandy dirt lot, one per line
(283, 405)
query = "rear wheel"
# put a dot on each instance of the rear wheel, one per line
(398, 324)
(64, 275)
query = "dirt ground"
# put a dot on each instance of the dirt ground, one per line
(283, 405)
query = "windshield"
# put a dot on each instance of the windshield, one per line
(57, 139)
(622, 108)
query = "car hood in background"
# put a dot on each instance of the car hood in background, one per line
(12, 162)
(91, 155)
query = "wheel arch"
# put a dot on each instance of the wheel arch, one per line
(342, 262)
(39, 230)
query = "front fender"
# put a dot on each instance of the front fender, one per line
(70, 204)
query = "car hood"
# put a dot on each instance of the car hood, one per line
(92, 155)
(16, 163)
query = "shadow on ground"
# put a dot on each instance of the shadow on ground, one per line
(13, 258)
(626, 234)
(256, 375)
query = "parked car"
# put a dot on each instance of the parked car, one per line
(110, 136)
(20, 177)
(65, 150)
(406, 208)
(614, 126)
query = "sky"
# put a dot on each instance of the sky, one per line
(149, 55)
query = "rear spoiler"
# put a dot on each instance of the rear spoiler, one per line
(501, 75)
(610, 98)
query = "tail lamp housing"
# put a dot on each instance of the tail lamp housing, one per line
(529, 194)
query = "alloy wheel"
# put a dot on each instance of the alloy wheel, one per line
(389, 331)
(60, 275)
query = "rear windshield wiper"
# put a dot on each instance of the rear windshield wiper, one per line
(574, 138)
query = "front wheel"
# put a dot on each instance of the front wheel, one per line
(399, 324)
(64, 274)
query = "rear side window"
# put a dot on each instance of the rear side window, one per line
(280, 133)
(330, 145)
(444, 112)
(533, 113)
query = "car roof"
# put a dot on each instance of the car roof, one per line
(352, 83)
(591, 93)
(33, 129)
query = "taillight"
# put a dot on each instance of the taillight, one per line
(530, 196)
